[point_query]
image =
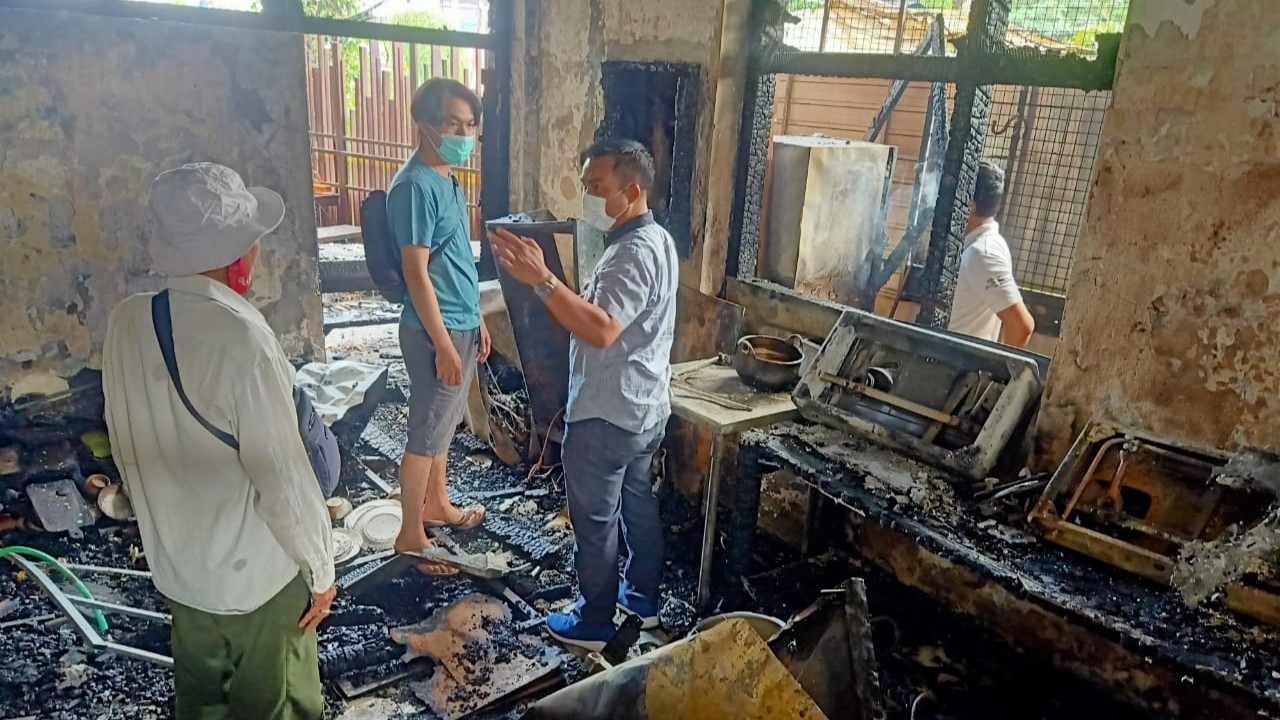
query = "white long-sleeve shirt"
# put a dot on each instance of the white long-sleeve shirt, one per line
(223, 531)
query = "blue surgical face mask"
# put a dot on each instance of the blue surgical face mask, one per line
(455, 149)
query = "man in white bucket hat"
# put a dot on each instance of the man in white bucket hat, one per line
(237, 540)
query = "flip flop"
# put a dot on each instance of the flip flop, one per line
(425, 564)
(437, 569)
(481, 565)
(472, 516)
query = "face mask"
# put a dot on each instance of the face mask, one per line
(238, 276)
(455, 149)
(594, 212)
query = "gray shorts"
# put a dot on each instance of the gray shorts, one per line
(435, 409)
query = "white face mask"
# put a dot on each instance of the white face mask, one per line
(594, 212)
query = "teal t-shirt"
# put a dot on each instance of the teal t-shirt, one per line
(425, 208)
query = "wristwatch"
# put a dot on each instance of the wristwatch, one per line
(544, 289)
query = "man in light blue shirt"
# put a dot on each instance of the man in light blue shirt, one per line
(442, 334)
(621, 330)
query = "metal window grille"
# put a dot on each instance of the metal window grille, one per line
(865, 26)
(1067, 25)
(894, 26)
(1046, 140)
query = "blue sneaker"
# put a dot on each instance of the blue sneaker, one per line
(568, 628)
(646, 611)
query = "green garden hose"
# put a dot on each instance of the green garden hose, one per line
(45, 557)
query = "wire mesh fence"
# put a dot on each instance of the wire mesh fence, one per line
(1070, 25)
(896, 26)
(1046, 140)
(863, 26)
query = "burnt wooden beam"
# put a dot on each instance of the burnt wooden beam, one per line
(281, 18)
(988, 24)
(495, 158)
(862, 654)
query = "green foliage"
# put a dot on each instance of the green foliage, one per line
(798, 5)
(320, 8)
(418, 18)
(1071, 21)
(329, 8)
(351, 48)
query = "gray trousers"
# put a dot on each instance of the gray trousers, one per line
(435, 409)
(608, 479)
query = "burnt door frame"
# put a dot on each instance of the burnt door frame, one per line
(618, 79)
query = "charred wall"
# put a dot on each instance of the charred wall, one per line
(558, 102)
(1174, 319)
(656, 104)
(91, 109)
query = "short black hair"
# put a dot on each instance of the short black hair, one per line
(428, 102)
(988, 193)
(631, 161)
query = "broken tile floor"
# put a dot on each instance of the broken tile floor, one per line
(933, 662)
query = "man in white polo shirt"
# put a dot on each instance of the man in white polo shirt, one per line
(987, 302)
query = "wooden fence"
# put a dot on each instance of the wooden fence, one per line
(358, 96)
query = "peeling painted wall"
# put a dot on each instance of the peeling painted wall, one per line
(1173, 322)
(91, 109)
(558, 103)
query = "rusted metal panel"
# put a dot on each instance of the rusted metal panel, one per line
(827, 208)
(705, 326)
(1135, 501)
(542, 344)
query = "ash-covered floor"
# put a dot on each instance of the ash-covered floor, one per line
(934, 663)
(44, 672)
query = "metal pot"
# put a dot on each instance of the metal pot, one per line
(769, 363)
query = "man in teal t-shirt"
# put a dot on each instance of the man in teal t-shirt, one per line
(442, 334)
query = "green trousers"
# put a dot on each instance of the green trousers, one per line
(259, 666)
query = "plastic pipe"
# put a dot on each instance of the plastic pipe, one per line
(45, 557)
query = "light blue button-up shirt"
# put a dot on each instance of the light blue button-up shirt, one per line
(628, 383)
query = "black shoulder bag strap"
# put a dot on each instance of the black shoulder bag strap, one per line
(162, 319)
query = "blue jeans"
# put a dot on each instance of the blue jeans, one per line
(608, 479)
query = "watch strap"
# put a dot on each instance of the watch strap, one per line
(544, 289)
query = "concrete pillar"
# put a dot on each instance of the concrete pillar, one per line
(557, 102)
(1172, 321)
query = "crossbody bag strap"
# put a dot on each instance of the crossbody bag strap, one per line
(162, 319)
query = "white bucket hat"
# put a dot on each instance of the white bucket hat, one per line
(208, 219)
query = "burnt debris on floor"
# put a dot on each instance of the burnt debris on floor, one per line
(966, 612)
(48, 672)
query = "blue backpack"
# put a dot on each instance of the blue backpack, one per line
(317, 439)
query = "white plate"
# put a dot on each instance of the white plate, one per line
(354, 517)
(347, 544)
(377, 522)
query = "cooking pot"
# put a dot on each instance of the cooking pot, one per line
(769, 363)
